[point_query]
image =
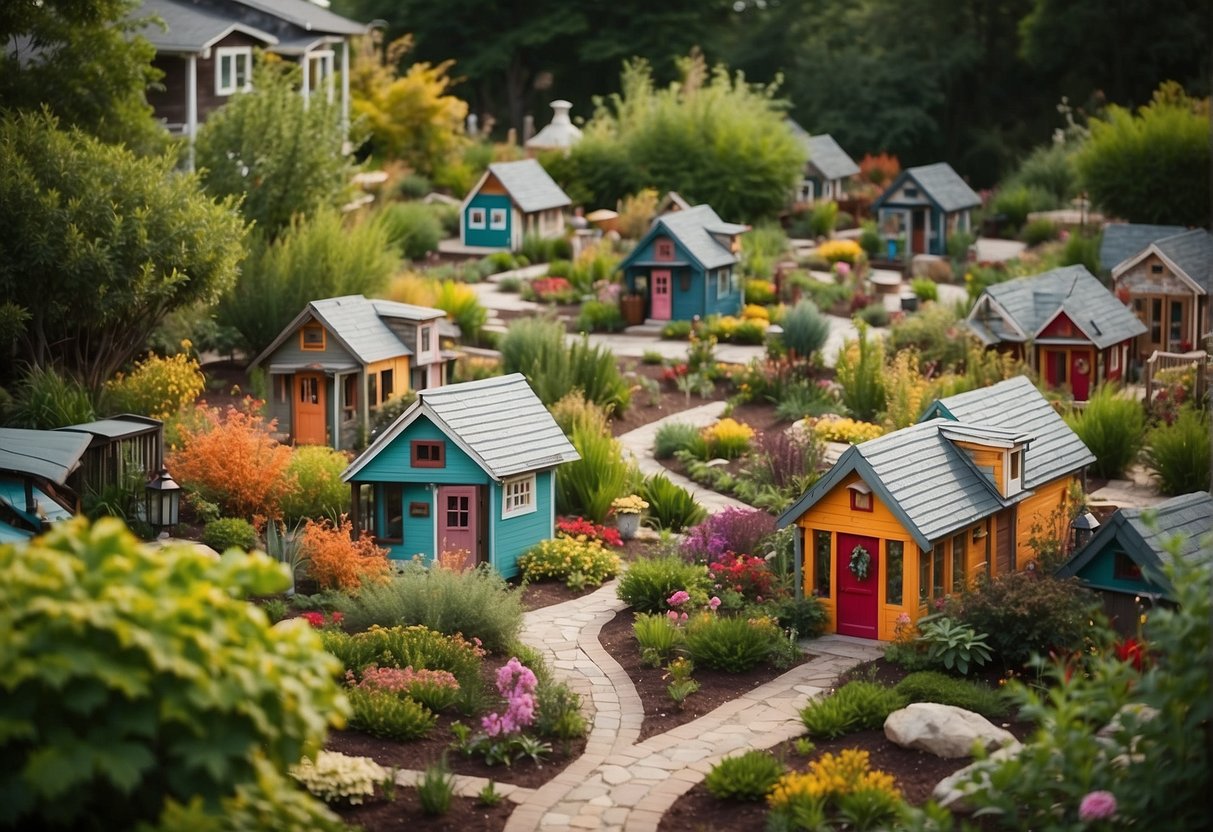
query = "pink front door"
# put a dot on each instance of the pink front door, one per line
(857, 599)
(661, 296)
(457, 521)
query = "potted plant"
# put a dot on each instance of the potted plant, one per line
(627, 514)
(632, 308)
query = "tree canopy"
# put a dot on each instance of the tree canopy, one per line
(99, 245)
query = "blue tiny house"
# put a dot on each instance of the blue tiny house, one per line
(511, 201)
(922, 208)
(685, 266)
(467, 469)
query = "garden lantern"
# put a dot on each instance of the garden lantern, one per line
(162, 498)
(1082, 529)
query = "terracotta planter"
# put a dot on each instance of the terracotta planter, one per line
(628, 525)
(632, 308)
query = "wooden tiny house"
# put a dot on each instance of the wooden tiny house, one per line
(468, 468)
(827, 170)
(902, 521)
(922, 208)
(511, 201)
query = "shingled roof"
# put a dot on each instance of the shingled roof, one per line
(284, 25)
(190, 28)
(826, 155)
(1192, 253)
(48, 454)
(499, 422)
(1122, 240)
(1033, 302)
(529, 185)
(939, 183)
(694, 228)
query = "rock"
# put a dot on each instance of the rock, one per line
(948, 792)
(942, 730)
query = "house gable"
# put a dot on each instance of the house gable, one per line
(1062, 327)
(1151, 272)
(395, 460)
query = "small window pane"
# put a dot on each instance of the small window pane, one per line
(937, 566)
(893, 571)
(387, 383)
(924, 576)
(958, 562)
(821, 563)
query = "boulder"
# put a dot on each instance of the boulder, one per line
(951, 795)
(942, 730)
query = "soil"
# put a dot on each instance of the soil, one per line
(466, 814)
(660, 713)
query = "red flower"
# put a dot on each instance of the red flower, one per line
(316, 619)
(1132, 652)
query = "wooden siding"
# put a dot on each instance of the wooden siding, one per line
(1042, 514)
(512, 536)
(169, 103)
(393, 463)
(990, 460)
(1062, 327)
(400, 375)
(290, 352)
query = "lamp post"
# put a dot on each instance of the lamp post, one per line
(1082, 529)
(162, 500)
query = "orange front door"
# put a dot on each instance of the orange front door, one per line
(309, 409)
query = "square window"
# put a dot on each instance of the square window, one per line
(1156, 268)
(497, 219)
(821, 563)
(429, 453)
(664, 250)
(311, 338)
(233, 69)
(425, 339)
(723, 284)
(1124, 568)
(387, 379)
(518, 496)
(476, 218)
(911, 191)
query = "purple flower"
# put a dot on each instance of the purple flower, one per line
(714, 603)
(1098, 805)
(679, 598)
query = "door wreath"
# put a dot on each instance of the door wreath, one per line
(861, 561)
(1082, 367)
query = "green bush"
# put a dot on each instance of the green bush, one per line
(389, 716)
(386, 413)
(478, 603)
(805, 329)
(588, 485)
(860, 373)
(935, 332)
(748, 776)
(566, 559)
(44, 400)
(954, 645)
(925, 289)
(315, 471)
(930, 686)
(420, 648)
(806, 616)
(760, 292)
(1017, 201)
(599, 316)
(462, 305)
(733, 644)
(657, 637)
(823, 219)
(670, 506)
(676, 436)
(558, 710)
(856, 706)
(230, 532)
(436, 789)
(869, 240)
(874, 314)
(1179, 453)
(107, 693)
(1039, 231)
(414, 186)
(411, 227)
(1113, 427)
(676, 331)
(649, 582)
(1050, 168)
(1082, 250)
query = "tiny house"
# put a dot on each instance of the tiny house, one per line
(922, 208)
(511, 201)
(827, 170)
(468, 471)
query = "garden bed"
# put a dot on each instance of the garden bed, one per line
(466, 814)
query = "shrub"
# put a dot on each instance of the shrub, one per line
(574, 411)
(436, 689)
(44, 400)
(657, 637)
(1082, 250)
(925, 288)
(587, 486)
(157, 387)
(1017, 201)
(732, 530)
(336, 561)
(676, 331)
(558, 711)
(823, 219)
(840, 251)
(846, 430)
(599, 316)
(1113, 428)
(648, 583)
(462, 305)
(585, 563)
(389, 716)
(746, 575)
(856, 706)
(756, 312)
(728, 438)
(761, 292)
(105, 682)
(954, 645)
(477, 603)
(1179, 453)
(1026, 614)
(1039, 231)
(232, 460)
(870, 240)
(536, 348)
(228, 533)
(780, 468)
(935, 332)
(874, 314)
(339, 778)
(678, 436)
(929, 686)
(670, 506)
(317, 490)
(748, 776)
(805, 329)
(807, 617)
(416, 647)
(728, 643)
(859, 372)
(864, 798)
(412, 228)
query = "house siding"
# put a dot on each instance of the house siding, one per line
(1100, 573)
(1142, 284)
(1042, 514)
(289, 352)
(514, 535)
(394, 462)
(168, 99)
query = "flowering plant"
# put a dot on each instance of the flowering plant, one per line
(321, 621)
(517, 683)
(585, 531)
(746, 575)
(631, 504)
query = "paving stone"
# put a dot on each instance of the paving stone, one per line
(629, 794)
(615, 775)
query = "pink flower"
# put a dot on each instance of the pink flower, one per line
(758, 599)
(714, 603)
(679, 598)
(903, 619)
(673, 616)
(1098, 805)
(684, 616)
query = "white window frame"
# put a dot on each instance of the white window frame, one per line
(320, 69)
(723, 284)
(518, 496)
(1114, 363)
(497, 219)
(476, 217)
(234, 54)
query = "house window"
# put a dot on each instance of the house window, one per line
(284, 389)
(476, 218)
(924, 576)
(1061, 366)
(425, 339)
(1156, 320)
(349, 396)
(821, 564)
(1156, 268)
(937, 567)
(429, 454)
(393, 514)
(311, 338)
(309, 390)
(958, 562)
(233, 69)
(664, 250)
(1177, 323)
(1016, 464)
(1114, 359)
(861, 496)
(1124, 568)
(911, 192)
(387, 380)
(894, 564)
(497, 219)
(518, 496)
(722, 283)
(372, 389)
(365, 506)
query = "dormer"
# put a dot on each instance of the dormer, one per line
(997, 453)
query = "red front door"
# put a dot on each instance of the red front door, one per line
(1080, 374)
(918, 233)
(309, 409)
(457, 521)
(857, 599)
(661, 296)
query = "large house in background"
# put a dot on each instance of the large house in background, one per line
(901, 521)
(828, 167)
(342, 358)
(205, 50)
(1062, 323)
(511, 201)
(922, 208)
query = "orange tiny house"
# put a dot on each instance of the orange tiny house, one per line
(901, 521)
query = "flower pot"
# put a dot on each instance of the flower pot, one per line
(632, 309)
(628, 525)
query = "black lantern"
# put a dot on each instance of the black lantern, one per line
(162, 500)
(1082, 529)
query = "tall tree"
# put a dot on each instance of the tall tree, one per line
(99, 245)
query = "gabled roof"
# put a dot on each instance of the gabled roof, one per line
(357, 324)
(1192, 253)
(1146, 534)
(692, 228)
(118, 427)
(499, 422)
(528, 184)
(826, 155)
(1032, 303)
(1123, 239)
(48, 454)
(940, 184)
(932, 486)
(190, 27)
(307, 16)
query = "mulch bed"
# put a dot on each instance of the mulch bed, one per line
(549, 593)
(465, 815)
(660, 713)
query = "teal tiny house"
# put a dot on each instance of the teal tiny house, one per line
(923, 208)
(512, 200)
(468, 469)
(685, 266)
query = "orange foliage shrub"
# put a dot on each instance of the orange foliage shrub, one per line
(230, 458)
(879, 170)
(337, 561)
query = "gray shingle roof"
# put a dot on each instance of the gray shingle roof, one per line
(406, 311)
(1122, 240)
(1192, 252)
(355, 321)
(128, 424)
(529, 185)
(191, 27)
(826, 155)
(1033, 302)
(49, 454)
(499, 421)
(1190, 516)
(308, 16)
(941, 184)
(693, 227)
